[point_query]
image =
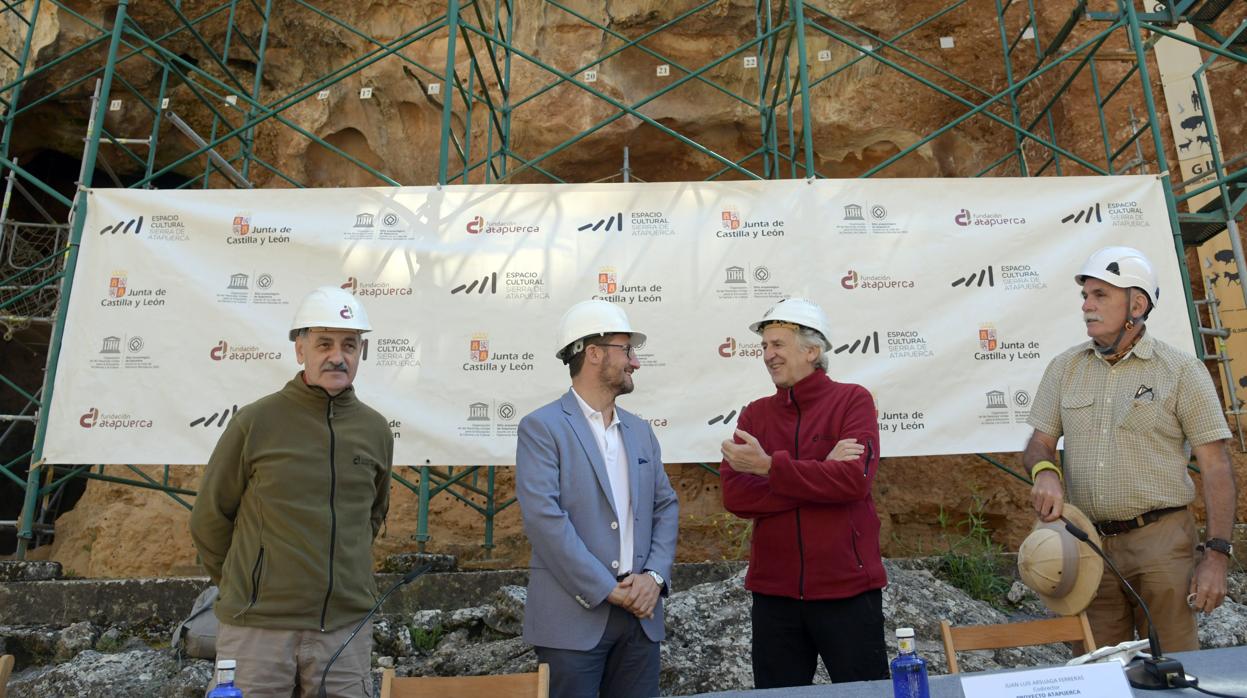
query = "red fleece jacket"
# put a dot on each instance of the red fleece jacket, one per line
(815, 530)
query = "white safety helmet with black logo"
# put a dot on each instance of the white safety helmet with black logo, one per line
(797, 311)
(1123, 267)
(332, 308)
(592, 318)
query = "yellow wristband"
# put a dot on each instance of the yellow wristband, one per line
(1046, 465)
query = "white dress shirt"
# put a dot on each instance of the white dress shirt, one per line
(610, 445)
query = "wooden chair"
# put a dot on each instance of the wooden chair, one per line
(6, 668)
(533, 685)
(1035, 632)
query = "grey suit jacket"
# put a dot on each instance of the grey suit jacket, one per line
(570, 519)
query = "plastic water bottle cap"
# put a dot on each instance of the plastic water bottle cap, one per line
(229, 663)
(904, 632)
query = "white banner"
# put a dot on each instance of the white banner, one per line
(947, 299)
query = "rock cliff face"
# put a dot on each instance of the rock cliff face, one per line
(707, 647)
(861, 116)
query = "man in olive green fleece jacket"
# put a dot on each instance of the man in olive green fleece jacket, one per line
(292, 497)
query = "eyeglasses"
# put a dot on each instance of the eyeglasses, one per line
(628, 348)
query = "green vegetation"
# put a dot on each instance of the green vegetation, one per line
(426, 640)
(973, 562)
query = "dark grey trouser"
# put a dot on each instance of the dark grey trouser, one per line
(623, 665)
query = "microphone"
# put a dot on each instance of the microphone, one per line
(1157, 671)
(407, 579)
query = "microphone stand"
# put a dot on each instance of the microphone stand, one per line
(407, 579)
(1156, 671)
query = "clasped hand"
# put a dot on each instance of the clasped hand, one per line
(637, 594)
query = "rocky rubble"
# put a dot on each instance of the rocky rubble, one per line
(707, 647)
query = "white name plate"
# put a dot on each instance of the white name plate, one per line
(1107, 680)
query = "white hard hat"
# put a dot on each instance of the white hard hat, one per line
(798, 311)
(1123, 267)
(592, 319)
(330, 307)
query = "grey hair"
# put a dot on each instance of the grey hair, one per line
(812, 339)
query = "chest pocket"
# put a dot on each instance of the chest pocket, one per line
(1140, 416)
(1076, 413)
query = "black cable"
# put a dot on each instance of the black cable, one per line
(407, 579)
(1185, 684)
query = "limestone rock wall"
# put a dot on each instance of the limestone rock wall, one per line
(861, 116)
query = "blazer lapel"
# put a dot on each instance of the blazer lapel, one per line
(636, 458)
(580, 427)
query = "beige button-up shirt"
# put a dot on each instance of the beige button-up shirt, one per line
(1129, 427)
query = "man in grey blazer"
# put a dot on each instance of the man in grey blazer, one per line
(601, 517)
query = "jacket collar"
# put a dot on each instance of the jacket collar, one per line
(315, 396)
(809, 388)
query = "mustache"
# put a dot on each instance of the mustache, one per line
(339, 366)
(1088, 317)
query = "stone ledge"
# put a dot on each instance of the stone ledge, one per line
(167, 600)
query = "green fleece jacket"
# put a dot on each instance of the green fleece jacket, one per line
(293, 495)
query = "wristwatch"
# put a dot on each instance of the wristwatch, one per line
(1220, 545)
(657, 578)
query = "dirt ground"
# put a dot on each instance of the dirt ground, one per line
(924, 505)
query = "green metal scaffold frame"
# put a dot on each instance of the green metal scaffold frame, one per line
(475, 89)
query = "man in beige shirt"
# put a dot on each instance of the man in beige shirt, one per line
(1132, 410)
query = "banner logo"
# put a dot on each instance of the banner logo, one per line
(94, 419)
(244, 232)
(731, 219)
(731, 349)
(987, 338)
(982, 275)
(489, 283)
(876, 282)
(478, 412)
(724, 418)
(607, 280)
(124, 227)
(364, 220)
(1084, 216)
(853, 212)
(216, 419)
(615, 220)
(374, 288)
(223, 351)
(123, 293)
(965, 218)
(479, 226)
(867, 345)
(478, 348)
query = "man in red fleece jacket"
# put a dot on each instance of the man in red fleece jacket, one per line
(801, 467)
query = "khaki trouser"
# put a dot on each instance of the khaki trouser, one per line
(1158, 560)
(285, 663)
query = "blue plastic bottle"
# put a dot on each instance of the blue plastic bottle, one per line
(225, 687)
(909, 671)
